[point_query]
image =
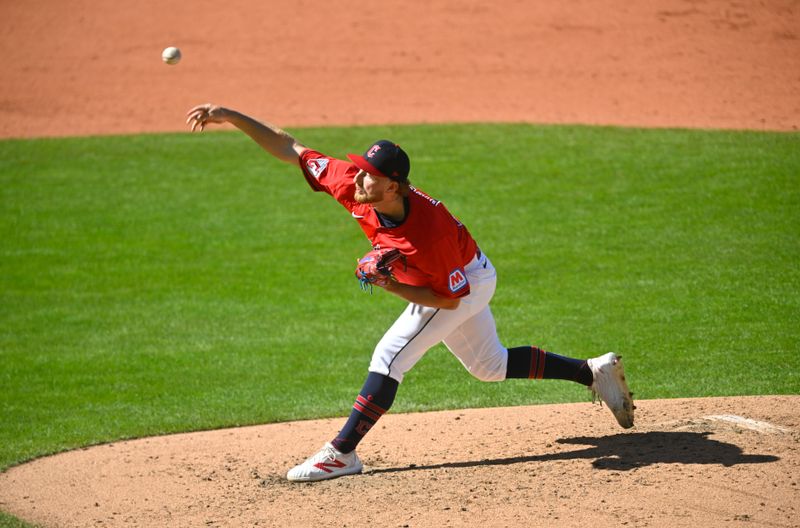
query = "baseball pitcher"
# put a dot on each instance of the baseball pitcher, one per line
(425, 255)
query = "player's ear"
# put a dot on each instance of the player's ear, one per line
(393, 187)
(403, 188)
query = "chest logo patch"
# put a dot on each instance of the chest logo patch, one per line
(317, 166)
(457, 280)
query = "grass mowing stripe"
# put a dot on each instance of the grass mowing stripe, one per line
(165, 283)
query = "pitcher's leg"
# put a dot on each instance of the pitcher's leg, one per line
(477, 347)
(374, 400)
(534, 363)
(416, 330)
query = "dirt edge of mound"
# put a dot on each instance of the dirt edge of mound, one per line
(688, 462)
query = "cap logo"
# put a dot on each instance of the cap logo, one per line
(373, 150)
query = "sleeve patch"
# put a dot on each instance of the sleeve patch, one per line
(317, 166)
(457, 280)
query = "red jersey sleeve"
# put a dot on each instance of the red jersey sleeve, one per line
(330, 175)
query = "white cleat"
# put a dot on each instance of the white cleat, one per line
(327, 464)
(610, 385)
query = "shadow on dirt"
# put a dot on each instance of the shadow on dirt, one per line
(622, 452)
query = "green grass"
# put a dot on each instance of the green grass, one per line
(8, 521)
(164, 283)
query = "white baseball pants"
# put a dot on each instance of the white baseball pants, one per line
(469, 332)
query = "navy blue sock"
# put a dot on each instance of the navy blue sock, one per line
(375, 398)
(535, 363)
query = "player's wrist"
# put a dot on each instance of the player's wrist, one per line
(226, 114)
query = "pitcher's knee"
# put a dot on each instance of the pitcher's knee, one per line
(488, 373)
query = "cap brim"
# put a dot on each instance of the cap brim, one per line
(364, 165)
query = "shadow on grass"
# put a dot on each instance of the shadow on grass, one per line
(622, 452)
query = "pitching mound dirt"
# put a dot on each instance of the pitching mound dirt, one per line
(688, 462)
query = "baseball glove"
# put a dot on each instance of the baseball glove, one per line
(376, 267)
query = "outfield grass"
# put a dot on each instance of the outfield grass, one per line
(164, 283)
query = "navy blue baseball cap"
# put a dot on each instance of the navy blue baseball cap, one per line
(384, 158)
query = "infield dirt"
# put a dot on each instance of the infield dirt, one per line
(687, 463)
(77, 67)
(83, 68)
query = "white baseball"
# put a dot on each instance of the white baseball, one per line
(171, 55)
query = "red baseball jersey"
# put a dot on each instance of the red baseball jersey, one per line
(436, 245)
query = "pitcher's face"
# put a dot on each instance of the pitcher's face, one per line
(369, 188)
